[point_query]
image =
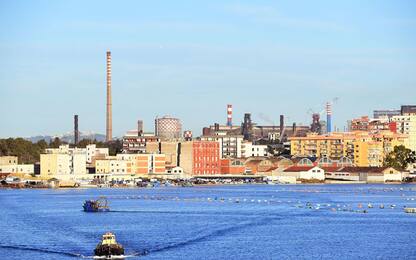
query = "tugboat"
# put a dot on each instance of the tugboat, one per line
(108, 248)
(100, 205)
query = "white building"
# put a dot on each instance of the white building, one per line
(252, 150)
(230, 145)
(118, 166)
(63, 163)
(407, 125)
(91, 151)
(305, 172)
(17, 168)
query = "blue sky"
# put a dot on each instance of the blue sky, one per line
(189, 59)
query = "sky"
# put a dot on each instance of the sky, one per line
(189, 59)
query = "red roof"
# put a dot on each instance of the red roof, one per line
(363, 169)
(331, 168)
(298, 168)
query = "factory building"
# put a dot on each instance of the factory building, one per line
(135, 141)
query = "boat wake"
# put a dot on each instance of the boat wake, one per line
(215, 233)
(41, 250)
(69, 254)
(173, 245)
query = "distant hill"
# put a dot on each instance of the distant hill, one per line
(68, 137)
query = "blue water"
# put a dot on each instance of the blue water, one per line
(268, 222)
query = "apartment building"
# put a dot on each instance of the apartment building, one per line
(230, 145)
(248, 149)
(200, 157)
(364, 148)
(63, 166)
(406, 124)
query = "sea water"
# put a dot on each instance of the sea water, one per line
(214, 222)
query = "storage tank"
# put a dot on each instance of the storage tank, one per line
(168, 128)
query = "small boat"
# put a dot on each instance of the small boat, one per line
(108, 248)
(410, 210)
(100, 205)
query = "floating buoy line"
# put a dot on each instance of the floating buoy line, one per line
(332, 207)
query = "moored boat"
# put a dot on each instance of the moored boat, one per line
(410, 210)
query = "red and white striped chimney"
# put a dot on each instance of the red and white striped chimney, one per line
(229, 115)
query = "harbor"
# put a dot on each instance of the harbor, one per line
(223, 221)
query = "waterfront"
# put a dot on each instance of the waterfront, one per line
(214, 222)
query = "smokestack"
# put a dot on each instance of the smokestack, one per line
(109, 127)
(76, 131)
(282, 123)
(294, 129)
(139, 127)
(217, 127)
(247, 127)
(328, 117)
(229, 115)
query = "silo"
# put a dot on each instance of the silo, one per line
(168, 128)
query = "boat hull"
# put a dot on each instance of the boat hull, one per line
(109, 250)
(95, 206)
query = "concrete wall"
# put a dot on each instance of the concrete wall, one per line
(186, 158)
(170, 149)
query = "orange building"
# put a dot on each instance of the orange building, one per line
(232, 166)
(206, 157)
(150, 163)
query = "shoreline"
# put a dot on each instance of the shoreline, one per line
(206, 185)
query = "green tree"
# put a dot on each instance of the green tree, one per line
(84, 142)
(55, 143)
(400, 158)
(114, 147)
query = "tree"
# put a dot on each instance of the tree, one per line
(114, 147)
(400, 158)
(84, 142)
(55, 143)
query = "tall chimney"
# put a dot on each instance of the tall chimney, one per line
(328, 117)
(76, 131)
(139, 127)
(229, 115)
(109, 127)
(282, 123)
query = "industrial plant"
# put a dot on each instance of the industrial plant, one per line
(286, 152)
